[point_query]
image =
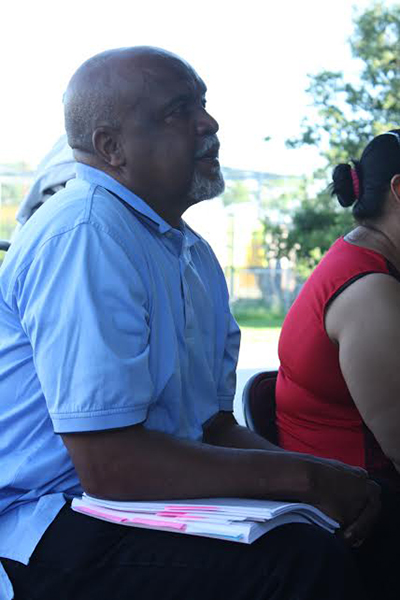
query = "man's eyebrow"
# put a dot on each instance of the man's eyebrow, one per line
(203, 87)
(178, 99)
(186, 96)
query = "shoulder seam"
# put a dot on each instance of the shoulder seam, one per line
(349, 282)
(61, 232)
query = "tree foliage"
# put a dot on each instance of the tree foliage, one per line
(236, 192)
(345, 116)
(314, 225)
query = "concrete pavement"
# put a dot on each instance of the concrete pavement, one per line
(257, 353)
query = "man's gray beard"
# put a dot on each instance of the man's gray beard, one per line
(203, 188)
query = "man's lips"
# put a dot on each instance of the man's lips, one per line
(212, 159)
(209, 164)
(207, 156)
(210, 154)
(209, 161)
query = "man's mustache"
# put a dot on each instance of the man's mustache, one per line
(209, 147)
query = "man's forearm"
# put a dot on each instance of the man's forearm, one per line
(223, 430)
(135, 463)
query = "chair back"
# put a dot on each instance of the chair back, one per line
(258, 403)
(4, 245)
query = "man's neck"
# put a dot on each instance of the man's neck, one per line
(170, 212)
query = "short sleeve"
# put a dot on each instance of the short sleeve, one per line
(227, 381)
(230, 352)
(84, 308)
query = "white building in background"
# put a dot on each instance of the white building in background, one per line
(11, 176)
(231, 229)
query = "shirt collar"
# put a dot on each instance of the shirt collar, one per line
(104, 180)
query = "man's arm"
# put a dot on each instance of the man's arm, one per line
(223, 430)
(134, 463)
(364, 321)
(137, 463)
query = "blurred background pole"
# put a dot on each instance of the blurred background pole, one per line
(231, 244)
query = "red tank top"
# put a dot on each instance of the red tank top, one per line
(314, 409)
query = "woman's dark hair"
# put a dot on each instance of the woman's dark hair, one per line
(366, 183)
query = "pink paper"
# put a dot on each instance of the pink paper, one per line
(178, 515)
(139, 520)
(158, 524)
(180, 507)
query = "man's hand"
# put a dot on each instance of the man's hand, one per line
(343, 492)
(347, 495)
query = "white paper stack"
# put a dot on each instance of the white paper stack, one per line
(235, 519)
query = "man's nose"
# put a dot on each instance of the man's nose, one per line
(206, 124)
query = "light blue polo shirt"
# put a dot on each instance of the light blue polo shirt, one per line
(108, 317)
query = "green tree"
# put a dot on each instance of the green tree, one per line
(236, 192)
(315, 223)
(345, 114)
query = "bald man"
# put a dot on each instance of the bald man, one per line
(117, 370)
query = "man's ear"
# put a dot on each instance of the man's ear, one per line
(395, 187)
(106, 143)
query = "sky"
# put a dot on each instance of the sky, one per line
(254, 56)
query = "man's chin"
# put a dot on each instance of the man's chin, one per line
(205, 188)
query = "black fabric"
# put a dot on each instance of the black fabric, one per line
(378, 556)
(348, 284)
(376, 463)
(259, 405)
(81, 558)
(392, 270)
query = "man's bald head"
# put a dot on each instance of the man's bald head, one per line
(105, 87)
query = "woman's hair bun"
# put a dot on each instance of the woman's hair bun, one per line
(342, 185)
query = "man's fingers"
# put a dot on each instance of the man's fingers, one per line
(356, 533)
(357, 471)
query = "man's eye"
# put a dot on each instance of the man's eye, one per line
(178, 110)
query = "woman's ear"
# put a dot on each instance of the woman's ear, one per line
(106, 143)
(395, 187)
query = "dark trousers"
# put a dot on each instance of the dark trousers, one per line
(82, 558)
(378, 557)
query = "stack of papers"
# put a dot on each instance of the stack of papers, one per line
(235, 519)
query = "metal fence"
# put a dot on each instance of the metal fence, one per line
(276, 287)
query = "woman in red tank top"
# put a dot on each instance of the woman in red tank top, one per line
(338, 388)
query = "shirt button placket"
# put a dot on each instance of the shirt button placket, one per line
(185, 260)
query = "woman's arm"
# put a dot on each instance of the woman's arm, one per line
(364, 320)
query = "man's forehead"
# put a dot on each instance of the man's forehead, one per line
(168, 76)
(159, 77)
